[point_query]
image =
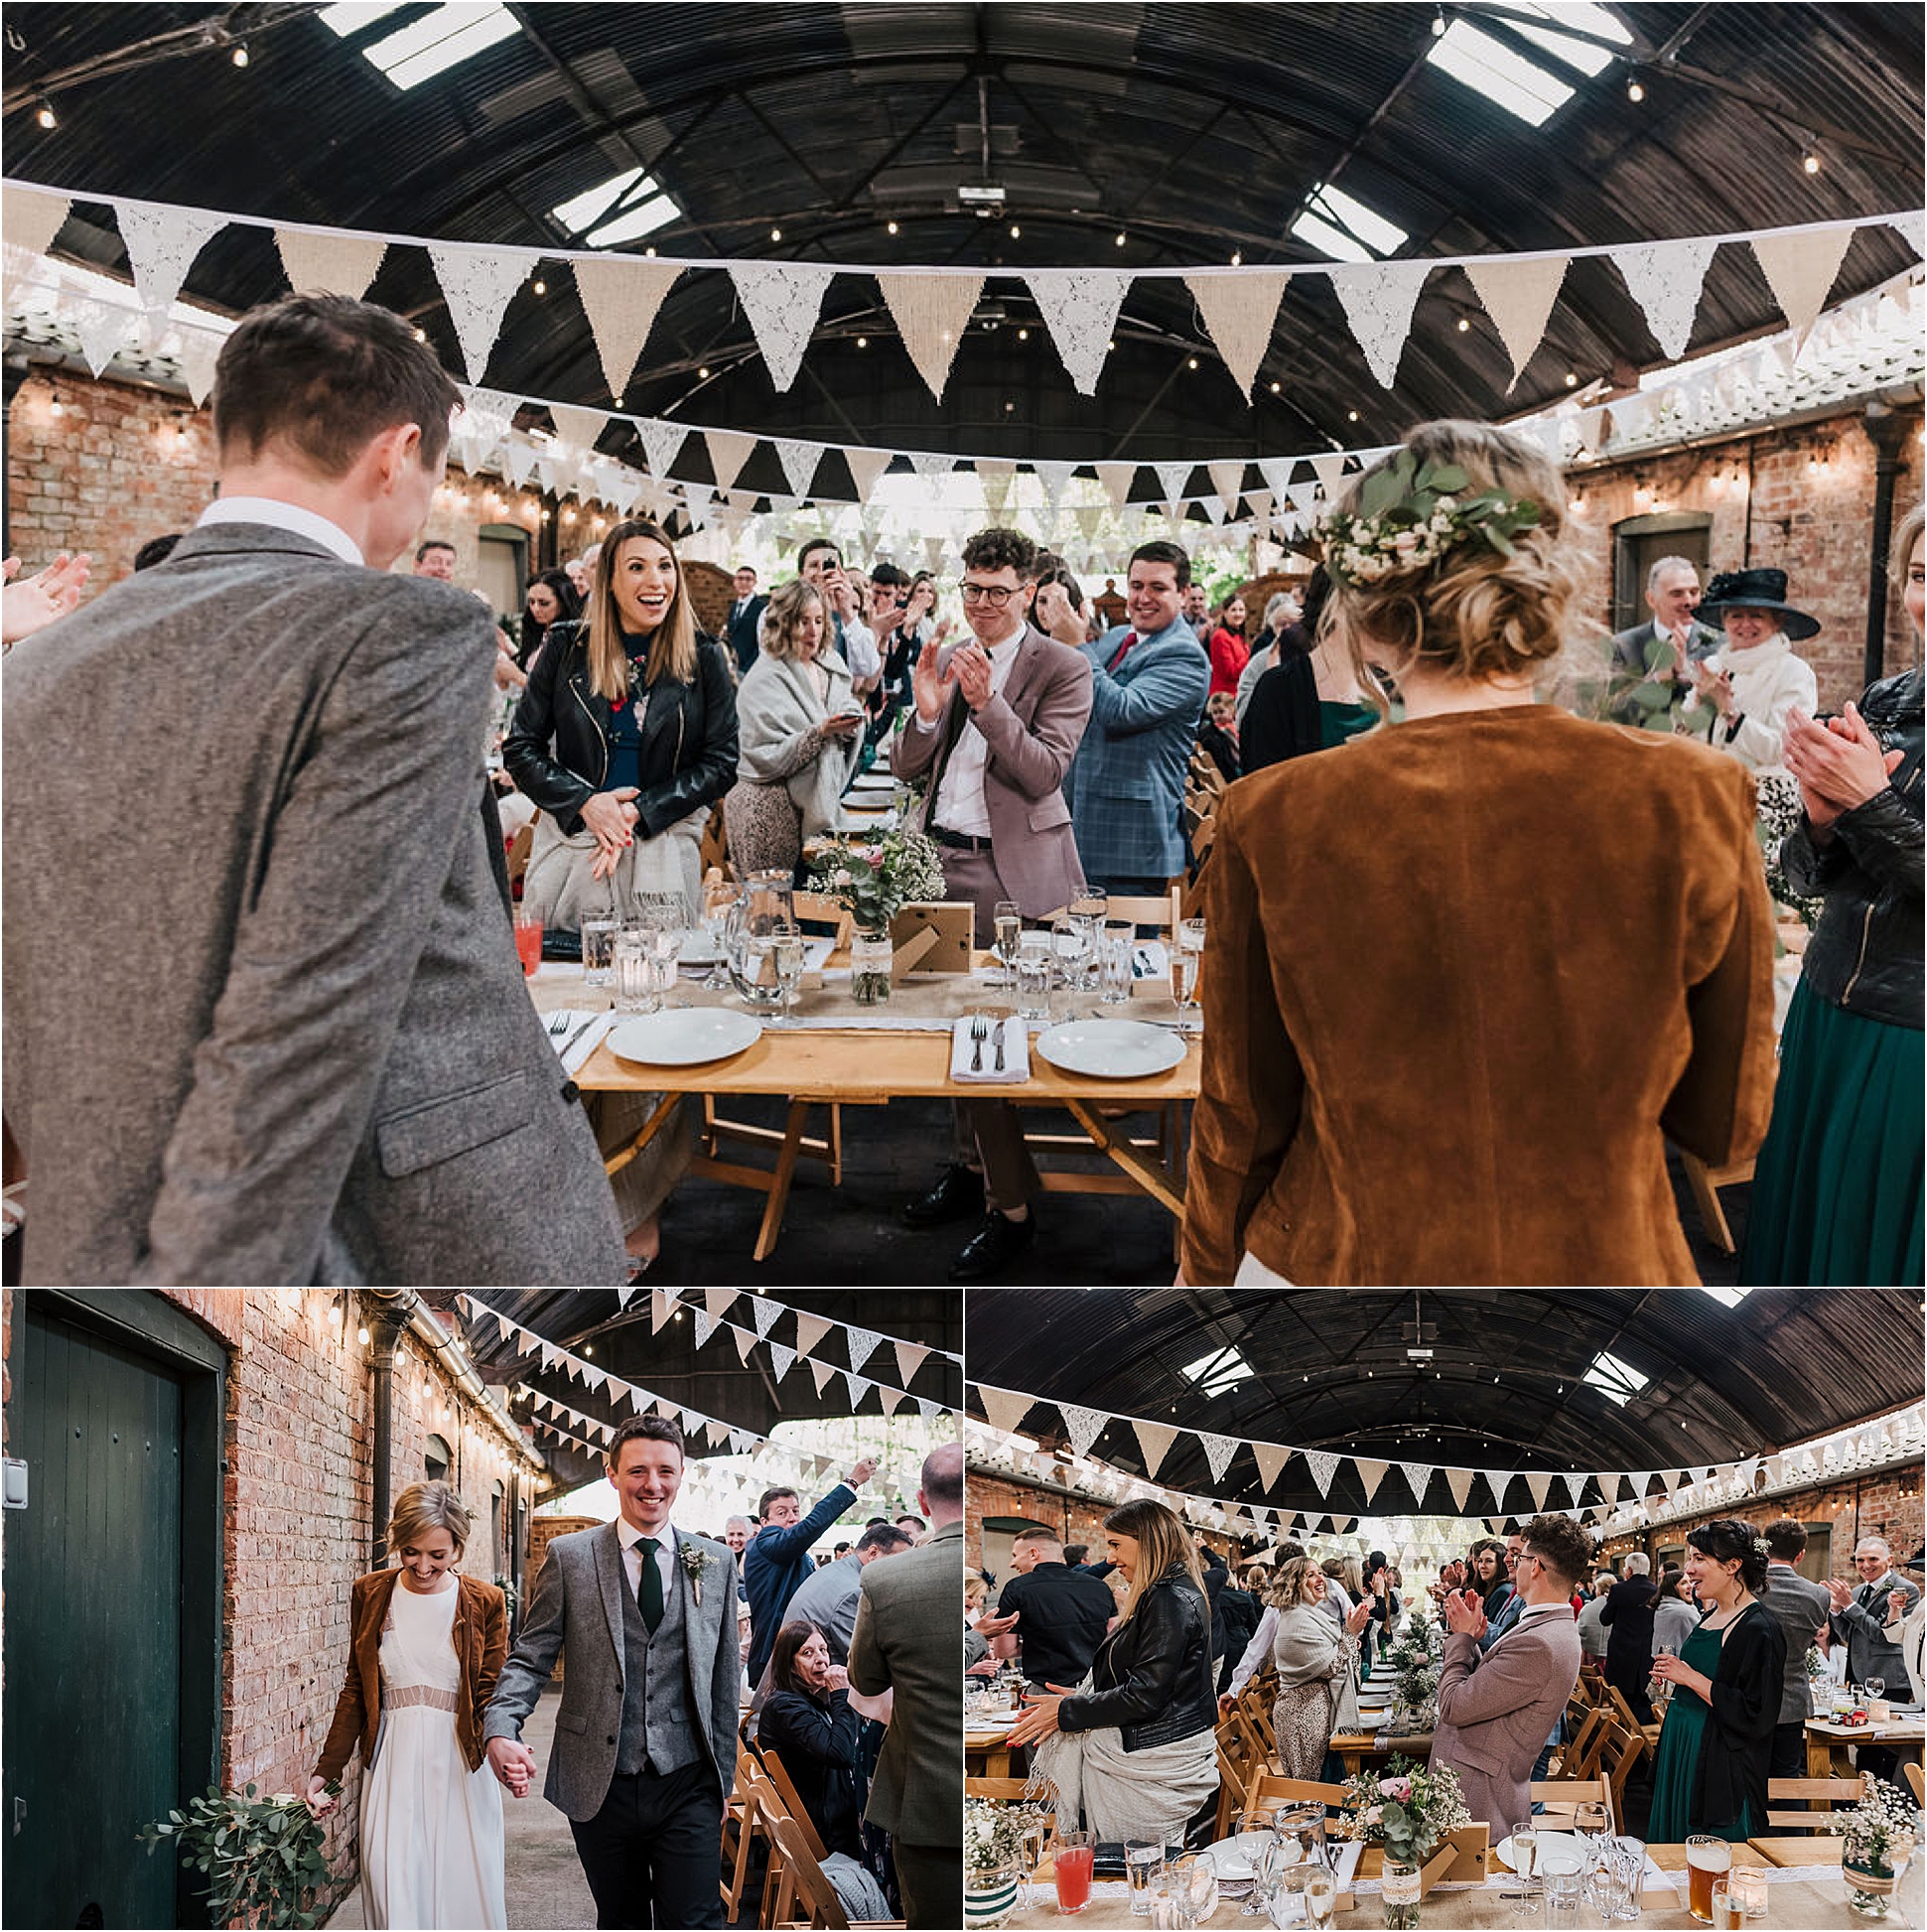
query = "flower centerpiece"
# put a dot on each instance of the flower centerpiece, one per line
(1880, 1832)
(265, 1860)
(874, 880)
(992, 1864)
(1409, 1812)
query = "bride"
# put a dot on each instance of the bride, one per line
(427, 1647)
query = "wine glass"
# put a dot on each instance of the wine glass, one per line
(1873, 1686)
(1257, 1844)
(1195, 1886)
(1009, 932)
(719, 902)
(1525, 1846)
(788, 950)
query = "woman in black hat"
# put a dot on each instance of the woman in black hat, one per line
(1837, 1188)
(1743, 691)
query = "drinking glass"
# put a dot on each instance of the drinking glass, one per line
(598, 947)
(1070, 946)
(1873, 1686)
(1615, 1883)
(1114, 972)
(719, 902)
(1591, 1822)
(1194, 1884)
(788, 946)
(1662, 1688)
(1187, 955)
(1010, 929)
(528, 941)
(1142, 1857)
(1087, 912)
(1301, 1833)
(1708, 1861)
(1033, 977)
(1525, 1847)
(1071, 1868)
(1564, 1881)
(1729, 1912)
(634, 970)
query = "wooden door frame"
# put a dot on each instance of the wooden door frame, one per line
(148, 1324)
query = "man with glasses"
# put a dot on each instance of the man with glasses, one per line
(1148, 685)
(996, 722)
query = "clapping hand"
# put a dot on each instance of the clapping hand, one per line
(1465, 1613)
(930, 687)
(982, 1667)
(1842, 1594)
(1714, 688)
(970, 665)
(1360, 1616)
(1836, 766)
(31, 603)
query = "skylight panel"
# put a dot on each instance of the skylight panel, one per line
(1505, 78)
(1582, 15)
(1729, 1298)
(1618, 1381)
(1220, 1371)
(439, 41)
(350, 15)
(1345, 229)
(580, 212)
(634, 223)
(588, 213)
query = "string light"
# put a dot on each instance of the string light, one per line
(1120, 234)
(539, 286)
(1635, 91)
(1016, 232)
(46, 117)
(1810, 163)
(890, 227)
(239, 55)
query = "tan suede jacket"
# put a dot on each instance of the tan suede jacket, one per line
(1464, 977)
(481, 1640)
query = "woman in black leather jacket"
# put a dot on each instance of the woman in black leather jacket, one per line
(1837, 1187)
(1147, 1722)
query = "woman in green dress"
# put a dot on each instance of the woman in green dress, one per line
(1710, 1772)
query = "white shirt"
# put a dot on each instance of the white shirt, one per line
(859, 643)
(1256, 1651)
(960, 803)
(665, 1556)
(278, 515)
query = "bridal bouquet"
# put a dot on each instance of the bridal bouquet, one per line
(265, 1860)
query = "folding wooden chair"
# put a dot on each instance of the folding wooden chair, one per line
(518, 850)
(1232, 1774)
(1562, 1798)
(1623, 1750)
(814, 1888)
(1818, 1798)
(1270, 1787)
(1915, 1781)
(792, 1803)
(740, 1819)
(712, 853)
(1621, 1707)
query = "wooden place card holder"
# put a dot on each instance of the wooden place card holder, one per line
(933, 937)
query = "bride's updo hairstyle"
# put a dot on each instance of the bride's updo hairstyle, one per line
(1460, 605)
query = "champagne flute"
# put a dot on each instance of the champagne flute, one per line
(1321, 1900)
(1525, 1845)
(788, 951)
(1010, 932)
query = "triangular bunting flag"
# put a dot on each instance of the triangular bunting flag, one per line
(763, 1312)
(928, 1407)
(705, 1326)
(1228, 479)
(1082, 1425)
(1799, 270)
(729, 450)
(810, 1329)
(1323, 1464)
(865, 465)
(1240, 309)
(1370, 1474)
(781, 301)
(744, 1342)
(1497, 1480)
(1271, 1458)
(477, 284)
(660, 442)
(576, 426)
(1173, 477)
(1574, 1485)
(1004, 1408)
(1416, 1476)
(621, 297)
(1459, 1482)
(890, 1398)
(717, 1301)
(1080, 309)
(782, 1358)
(1665, 278)
(860, 1385)
(1218, 1452)
(718, 1432)
(1519, 297)
(1117, 478)
(335, 264)
(162, 244)
(32, 220)
(200, 352)
(1378, 300)
(800, 459)
(860, 1342)
(1328, 466)
(931, 313)
(910, 1358)
(1153, 1438)
(104, 329)
(821, 1371)
(1538, 1483)
(661, 1308)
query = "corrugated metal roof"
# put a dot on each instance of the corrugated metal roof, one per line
(1198, 129)
(1504, 1388)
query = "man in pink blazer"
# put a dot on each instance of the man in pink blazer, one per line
(1497, 1710)
(996, 722)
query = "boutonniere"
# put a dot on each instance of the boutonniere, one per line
(695, 1563)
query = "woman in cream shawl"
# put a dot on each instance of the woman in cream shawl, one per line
(1318, 1669)
(800, 732)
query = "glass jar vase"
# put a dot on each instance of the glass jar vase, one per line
(870, 954)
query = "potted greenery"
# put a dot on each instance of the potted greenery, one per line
(1410, 1812)
(1879, 1832)
(265, 1859)
(992, 1864)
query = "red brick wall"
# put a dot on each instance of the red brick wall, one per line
(1076, 1519)
(1809, 489)
(122, 463)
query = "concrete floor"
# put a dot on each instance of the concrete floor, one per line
(891, 1154)
(545, 1886)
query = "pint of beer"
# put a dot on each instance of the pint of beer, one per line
(1706, 1858)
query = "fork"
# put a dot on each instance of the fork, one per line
(979, 1032)
(559, 1022)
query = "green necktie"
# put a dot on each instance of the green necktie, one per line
(650, 1594)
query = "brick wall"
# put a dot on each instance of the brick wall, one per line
(1809, 490)
(1076, 1519)
(121, 463)
(296, 1530)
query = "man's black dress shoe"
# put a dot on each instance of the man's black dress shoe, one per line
(994, 1246)
(958, 1195)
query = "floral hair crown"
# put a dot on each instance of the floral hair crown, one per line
(1409, 514)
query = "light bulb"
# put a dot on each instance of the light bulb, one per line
(239, 55)
(890, 227)
(776, 234)
(540, 287)
(1015, 231)
(1120, 236)
(57, 407)
(1635, 91)
(1810, 163)
(361, 1335)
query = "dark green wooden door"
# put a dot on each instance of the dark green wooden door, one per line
(93, 1635)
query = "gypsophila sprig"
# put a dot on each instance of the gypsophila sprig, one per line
(877, 877)
(1881, 1824)
(1410, 1809)
(1408, 515)
(993, 1836)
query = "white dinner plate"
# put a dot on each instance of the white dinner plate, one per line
(874, 781)
(684, 1037)
(1503, 1849)
(1110, 1049)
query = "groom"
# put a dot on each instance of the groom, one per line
(647, 1734)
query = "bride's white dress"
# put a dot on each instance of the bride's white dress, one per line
(431, 1829)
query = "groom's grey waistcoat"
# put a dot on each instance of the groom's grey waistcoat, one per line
(657, 1729)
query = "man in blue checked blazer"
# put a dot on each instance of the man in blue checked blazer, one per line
(1149, 679)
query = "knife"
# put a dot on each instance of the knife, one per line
(998, 1041)
(575, 1037)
